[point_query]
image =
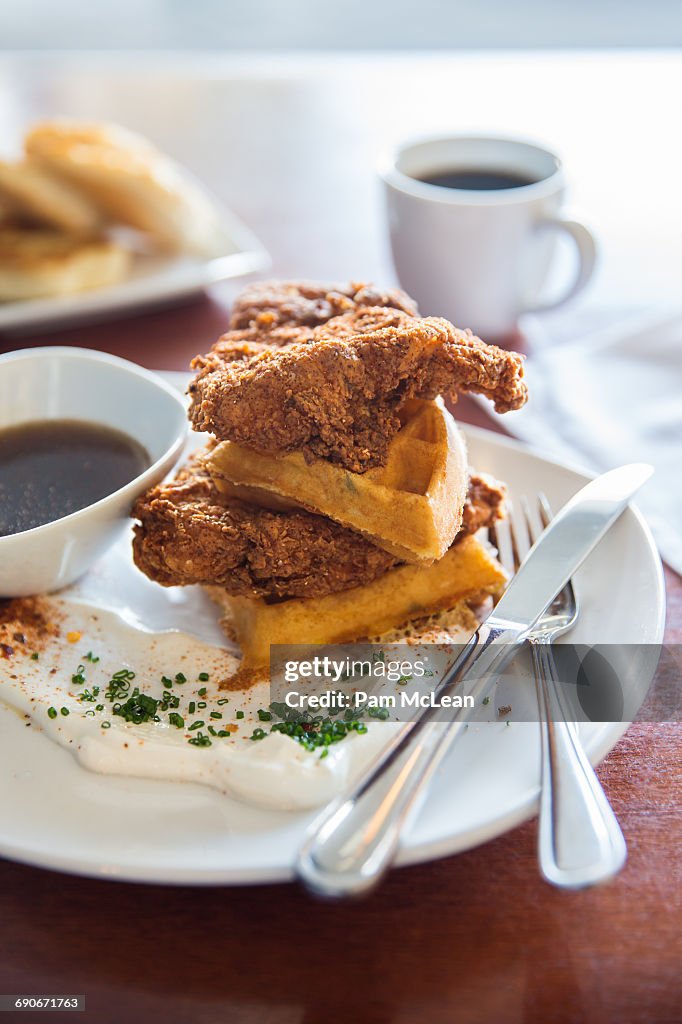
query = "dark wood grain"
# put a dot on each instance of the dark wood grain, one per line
(473, 938)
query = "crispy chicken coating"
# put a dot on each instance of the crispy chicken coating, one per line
(245, 342)
(188, 533)
(336, 391)
(484, 503)
(270, 304)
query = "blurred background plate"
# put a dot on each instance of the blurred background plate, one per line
(155, 280)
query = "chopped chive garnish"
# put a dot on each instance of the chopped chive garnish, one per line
(64, 711)
(51, 712)
(240, 714)
(35, 656)
(200, 740)
(89, 697)
(223, 700)
(202, 691)
(117, 688)
(192, 707)
(203, 677)
(180, 678)
(259, 734)
(138, 708)
(93, 658)
(78, 678)
(201, 705)
(106, 725)
(196, 725)
(316, 732)
(175, 719)
(169, 700)
(264, 716)
(216, 714)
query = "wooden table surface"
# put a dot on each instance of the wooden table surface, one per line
(473, 938)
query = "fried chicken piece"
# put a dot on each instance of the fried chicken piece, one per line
(190, 533)
(484, 503)
(270, 304)
(272, 314)
(337, 390)
(246, 342)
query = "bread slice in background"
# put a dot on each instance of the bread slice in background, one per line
(33, 193)
(37, 264)
(131, 181)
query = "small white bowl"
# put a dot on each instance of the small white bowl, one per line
(77, 384)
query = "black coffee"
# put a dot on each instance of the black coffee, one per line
(477, 181)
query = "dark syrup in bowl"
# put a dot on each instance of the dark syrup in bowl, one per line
(51, 468)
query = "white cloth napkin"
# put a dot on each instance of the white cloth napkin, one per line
(610, 398)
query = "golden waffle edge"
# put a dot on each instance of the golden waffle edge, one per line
(469, 571)
(412, 506)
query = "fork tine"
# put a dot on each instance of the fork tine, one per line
(512, 536)
(498, 535)
(530, 520)
(514, 540)
(545, 510)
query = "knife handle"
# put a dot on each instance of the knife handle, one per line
(352, 844)
(356, 843)
(579, 839)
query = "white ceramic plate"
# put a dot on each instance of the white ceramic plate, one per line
(58, 815)
(154, 280)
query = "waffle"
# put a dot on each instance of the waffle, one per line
(468, 572)
(412, 506)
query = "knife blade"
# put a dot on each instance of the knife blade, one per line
(562, 548)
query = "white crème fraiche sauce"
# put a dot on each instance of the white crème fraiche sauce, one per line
(274, 772)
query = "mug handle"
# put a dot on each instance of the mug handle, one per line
(586, 247)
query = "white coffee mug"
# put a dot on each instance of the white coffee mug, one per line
(480, 257)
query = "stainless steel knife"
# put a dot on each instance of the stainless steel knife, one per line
(352, 843)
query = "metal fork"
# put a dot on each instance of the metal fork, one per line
(579, 839)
